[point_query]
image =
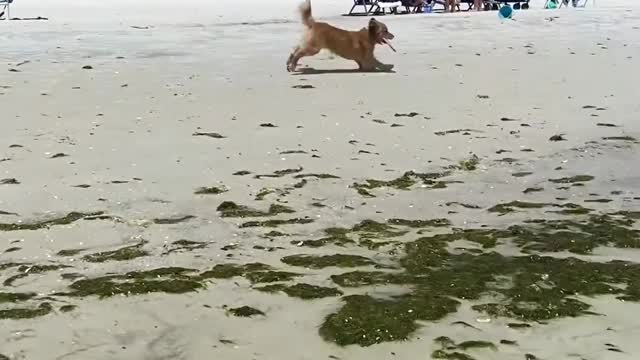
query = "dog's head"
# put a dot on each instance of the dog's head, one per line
(379, 32)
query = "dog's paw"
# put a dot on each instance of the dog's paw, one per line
(386, 67)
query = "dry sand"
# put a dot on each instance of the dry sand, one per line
(125, 129)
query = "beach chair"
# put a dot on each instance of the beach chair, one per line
(5, 6)
(374, 7)
(575, 3)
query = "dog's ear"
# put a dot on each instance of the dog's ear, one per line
(374, 27)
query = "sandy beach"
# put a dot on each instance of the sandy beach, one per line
(169, 191)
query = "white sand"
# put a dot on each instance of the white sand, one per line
(198, 69)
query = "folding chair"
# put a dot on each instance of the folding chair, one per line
(374, 7)
(575, 3)
(5, 6)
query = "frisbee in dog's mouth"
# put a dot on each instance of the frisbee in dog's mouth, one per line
(388, 43)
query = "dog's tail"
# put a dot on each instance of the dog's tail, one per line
(305, 12)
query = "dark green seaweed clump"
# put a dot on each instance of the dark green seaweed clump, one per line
(6, 297)
(173, 220)
(302, 291)
(530, 288)
(246, 311)
(184, 245)
(211, 190)
(572, 179)
(122, 254)
(270, 276)
(26, 270)
(170, 280)
(365, 320)
(280, 173)
(64, 220)
(276, 223)
(231, 209)
(67, 308)
(404, 182)
(319, 262)
(26, 313)
(227, 271)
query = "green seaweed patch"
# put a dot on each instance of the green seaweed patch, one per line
(335, 236)
(532, 190)
(469, 164)
(456, 131)
(453, 355)
(173, 220)
(572, 209)
(366, 278)
(7, 297)
(448, 344)
(320, 262)
(300, 184)
(276, 223)
(518, 325)
(270, 276)
(227, 271)
(69, 252)
(67, 308)
(505, 208)
(184, 245)
(26, 313)
(170, 280)
(211, 190)
(26, 270)
(371, 228)
(419, 224)
(280, 173)
(404, 182)
(528, 288)
(476, 344)
(366, 321)
(263, 193)
(572, 179)
(302, 291)
(231, 209)
(620, 138)
(123, 254)
(246, 311)
(275, 233)
(317, 176)
(64, 220)
(373, 244)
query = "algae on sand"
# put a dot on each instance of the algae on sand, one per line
(302, 291)
(64, 220)
(529, 288)
(122, 254)
(404, 182)
(231, 209)
(167, 280)
(319, 262)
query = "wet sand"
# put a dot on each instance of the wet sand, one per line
(181, 147)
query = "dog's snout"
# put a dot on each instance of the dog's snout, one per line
(390, 36)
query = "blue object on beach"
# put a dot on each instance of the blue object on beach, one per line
(505, 12)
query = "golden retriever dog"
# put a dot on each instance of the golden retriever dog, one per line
(353, 45)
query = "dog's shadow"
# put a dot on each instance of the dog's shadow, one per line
(312, 71)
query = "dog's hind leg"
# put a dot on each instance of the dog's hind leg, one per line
(291, 56)
(299, 53)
